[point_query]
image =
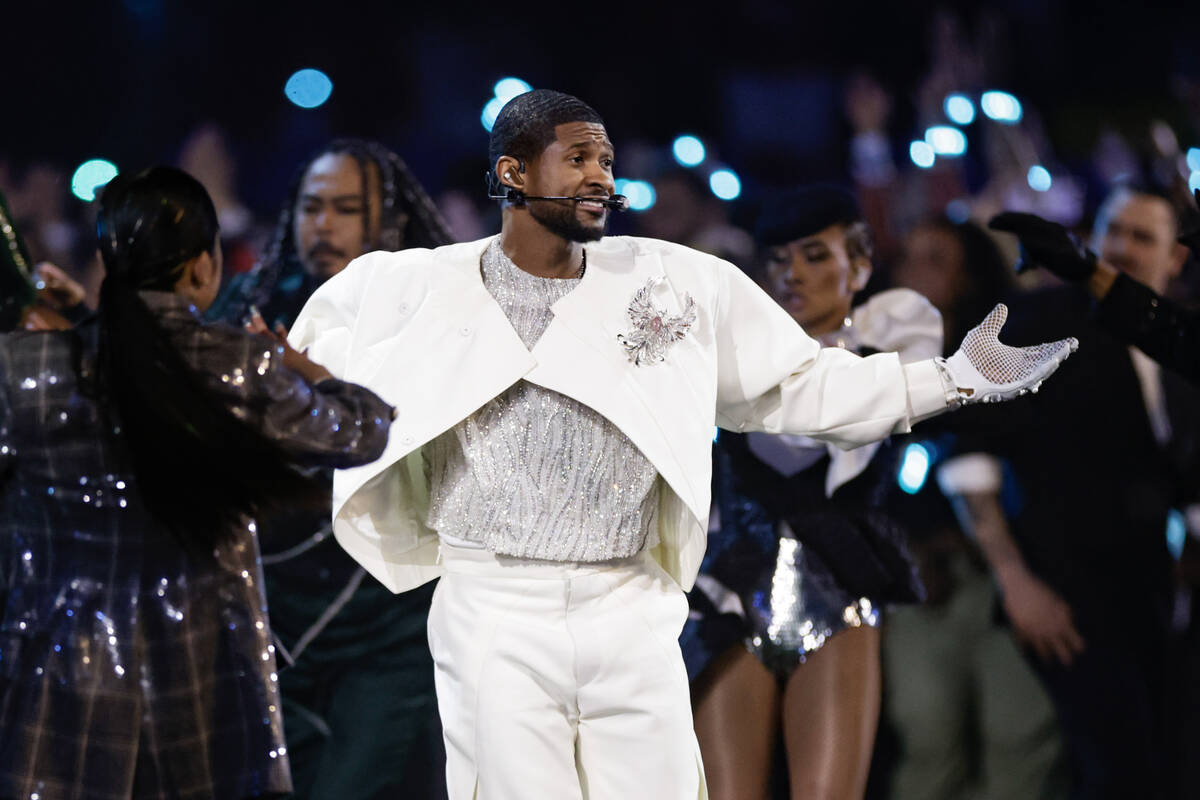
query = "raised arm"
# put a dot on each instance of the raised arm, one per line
(1133, 312)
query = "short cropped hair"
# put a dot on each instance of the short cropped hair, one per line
(525, 126)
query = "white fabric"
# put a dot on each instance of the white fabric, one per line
(972, 473)
(898, 321)
(562, 681)
(420, 329)
(1149, 375)
(986, 371)
(533, 473)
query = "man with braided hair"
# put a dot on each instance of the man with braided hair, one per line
(556, 392)
(356, 677)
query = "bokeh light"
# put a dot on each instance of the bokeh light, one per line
(90, 176)
(508, 88)
(958, 210)
(1193, 159)
(688, 150)
(922, 154)
(1194, 181)
(914, 469)
(491, 110)
(946, 140)
(1001, 107)
(1039, 178)
(725, 184)
(308, 88)
(959, 109)
(641, 194)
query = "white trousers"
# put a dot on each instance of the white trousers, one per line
(562, 681)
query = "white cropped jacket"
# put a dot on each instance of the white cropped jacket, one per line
(420, 329)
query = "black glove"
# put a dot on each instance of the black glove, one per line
(1046, 244)
(1192, 238)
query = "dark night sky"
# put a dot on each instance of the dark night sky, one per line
(128, 79)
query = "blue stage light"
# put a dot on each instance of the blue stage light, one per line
(508, 88)
(1193, 159)
(308, 88)
(688, 150)
(959, 109)
(922, 154)
(90, 176)
(1194, 181)
(1177, 533)
(641, 195)
(725, 184)
(491, 110)
(1001, 107)
(1039, 178)
(914, 469)
(946, 140)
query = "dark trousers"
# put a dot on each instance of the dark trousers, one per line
(360, 714)
(1110, 704)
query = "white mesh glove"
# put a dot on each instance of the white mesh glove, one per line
(985, 371)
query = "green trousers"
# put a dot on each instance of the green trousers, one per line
(971, 718)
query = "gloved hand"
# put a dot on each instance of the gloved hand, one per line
(1046, 244)
(985, 371)
(1192, 238)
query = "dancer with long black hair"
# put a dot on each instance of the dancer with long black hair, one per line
(135, 655)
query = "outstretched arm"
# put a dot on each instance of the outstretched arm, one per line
(773, 377)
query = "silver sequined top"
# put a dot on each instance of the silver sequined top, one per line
(534, 473)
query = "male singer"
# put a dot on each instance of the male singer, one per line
(556, 392)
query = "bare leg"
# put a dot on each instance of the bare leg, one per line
(736, 709)
(830, 712)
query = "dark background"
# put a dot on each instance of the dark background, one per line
(760, 79)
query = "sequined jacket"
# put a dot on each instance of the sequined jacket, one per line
(127, 668)
(420, 328)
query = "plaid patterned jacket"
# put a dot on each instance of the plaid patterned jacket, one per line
(128, 669)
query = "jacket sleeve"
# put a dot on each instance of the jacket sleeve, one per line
(1159, 328)
(773, 377)
(328, 424)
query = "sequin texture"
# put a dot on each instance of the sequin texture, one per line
(533, 473)
(118, 650)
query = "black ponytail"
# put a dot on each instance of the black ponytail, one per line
(198, 468)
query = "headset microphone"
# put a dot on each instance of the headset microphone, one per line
(617, 202)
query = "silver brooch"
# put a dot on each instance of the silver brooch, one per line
(653, 329)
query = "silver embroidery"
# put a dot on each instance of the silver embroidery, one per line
(653, 329)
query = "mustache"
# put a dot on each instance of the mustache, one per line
(324, 249)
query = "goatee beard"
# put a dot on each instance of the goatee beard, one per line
(565, 224)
